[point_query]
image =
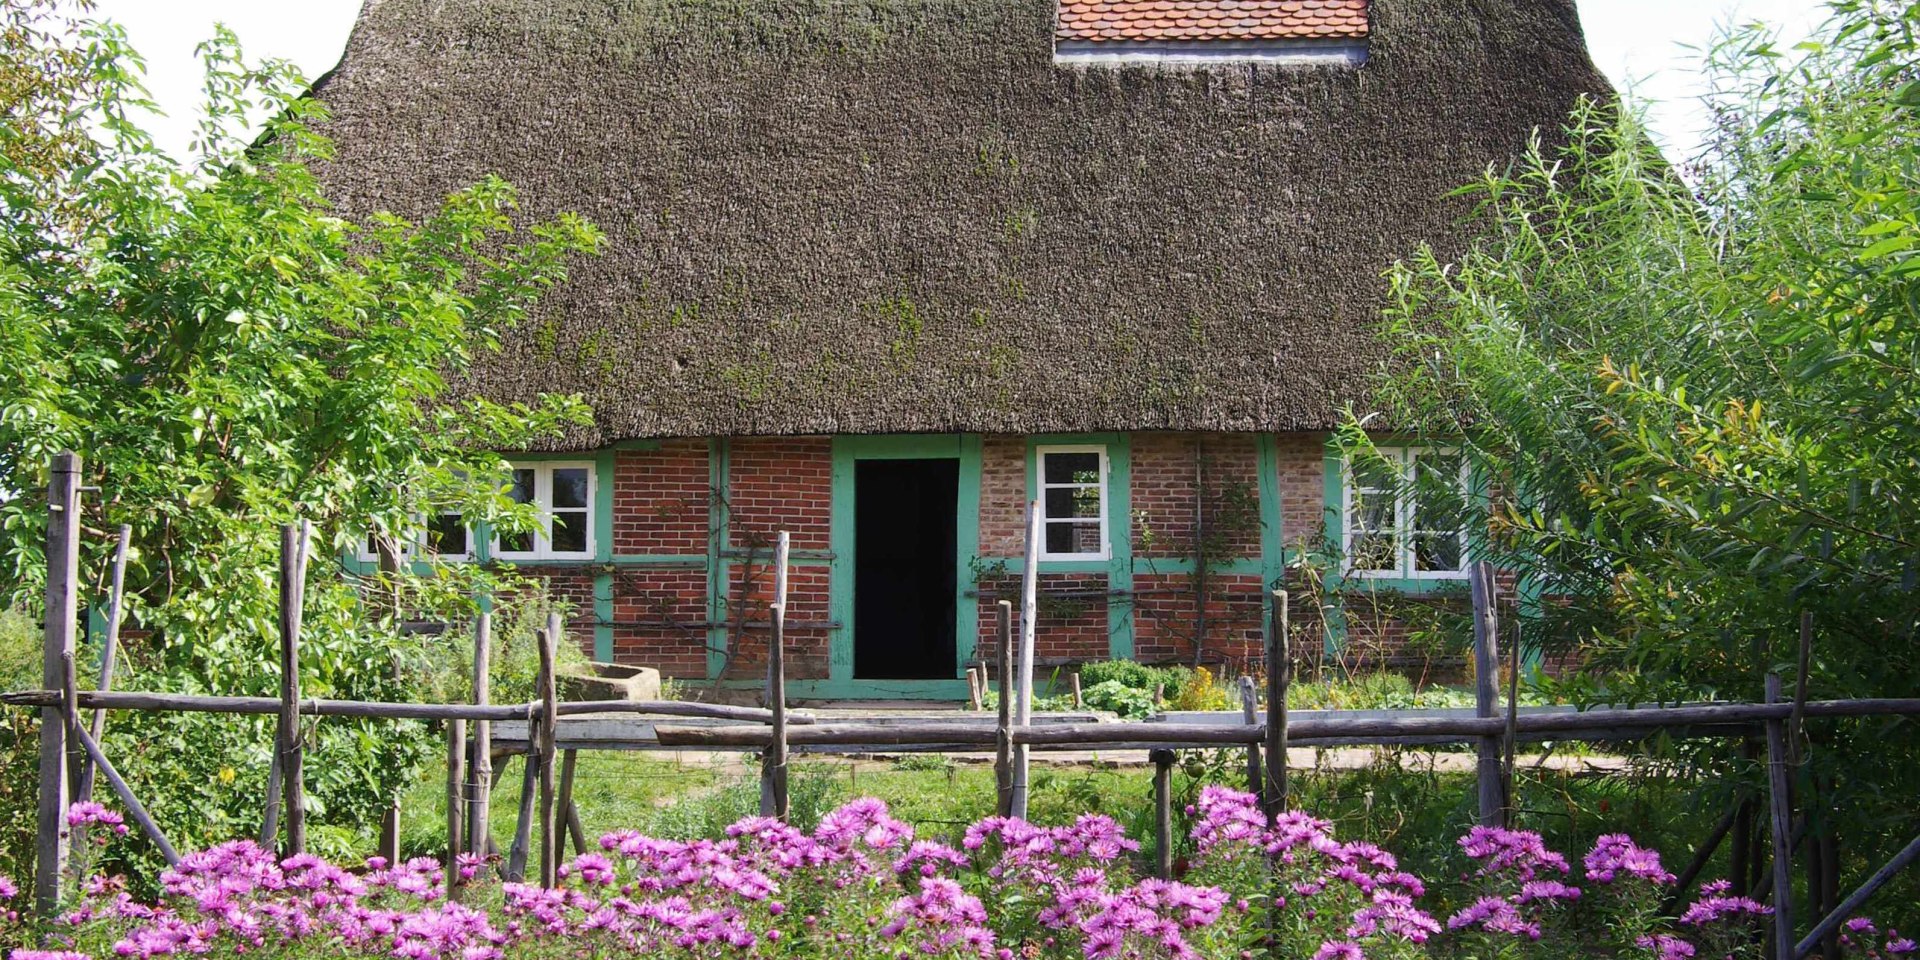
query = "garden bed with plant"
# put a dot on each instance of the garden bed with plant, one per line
(862, 884)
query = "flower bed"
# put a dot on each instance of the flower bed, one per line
(863, 886)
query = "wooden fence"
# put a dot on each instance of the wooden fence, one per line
(70, 753)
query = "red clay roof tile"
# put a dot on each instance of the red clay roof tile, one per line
(1104, 20)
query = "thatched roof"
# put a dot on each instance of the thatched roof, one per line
(867, 216)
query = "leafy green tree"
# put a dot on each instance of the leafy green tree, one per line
(228, 354)
(1697, 397)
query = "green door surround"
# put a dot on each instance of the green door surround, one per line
(847, 451)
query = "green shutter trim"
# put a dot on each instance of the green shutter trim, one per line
(1120, 531)
(966, 608)
(847, 450)
(719, 532)
(1273, 543)
(603, 470)
(1333, 614)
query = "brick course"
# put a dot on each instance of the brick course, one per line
(782, 483)
(660, 499)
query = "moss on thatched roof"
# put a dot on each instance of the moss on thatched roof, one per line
(866, 216)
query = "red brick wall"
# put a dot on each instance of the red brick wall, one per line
(1003, 496)
(807, 603)
(1302, 480)
(660, 499)
(1164, 620)
(660, 598)
(1166, 491)
(782, 483)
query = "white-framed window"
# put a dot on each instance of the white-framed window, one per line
(1073, 502)
(563, 492)
(1405, 511)
(446, 536)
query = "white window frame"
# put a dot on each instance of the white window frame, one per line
(1405, 567)
(415, 543)
(543, 500)
(1041, 486)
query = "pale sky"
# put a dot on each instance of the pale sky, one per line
(1640, 44)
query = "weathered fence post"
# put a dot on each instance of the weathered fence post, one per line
(1486, 689)
(1830, 924)
(1162, 812)
(1279, 675)
(480, 813)
(294, 541)
(1003, 739)
(1510, 737)
(456, 797)
(135, 808)
(773, 763)
(63, 572)
(389, 842)
(549, 717)
(523, 822)
(569, 813)
(1780, 804)
(109, 649)
(1023, 689)
(1250, 715)
(974, 699)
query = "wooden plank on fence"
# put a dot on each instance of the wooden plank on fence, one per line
(549, 696)
(456, 802)
(1486, 689)
(109, 647)
(480, 812)
(1163, 812)
(135, 808)
(1279, 676)
(569, 814)
(389, 841)
(773, 761)
(1023, 687)
(1003, 738)
(1779, 802)
(1250, 716)
(295, 541)
(1830, 924)
(523, 823)
(62, 610)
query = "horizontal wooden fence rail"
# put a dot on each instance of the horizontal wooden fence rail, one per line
(200, 703)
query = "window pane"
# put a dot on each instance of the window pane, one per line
(1438, 503)
(447, 535)
(1374, 551)
(570, 487)
(1071, 467)
(1069, 503)
(1371, 513)
(1374, 475)
(1074, 537)
(1436, 551)
(516, 543)
(520, 487)
(570, 532)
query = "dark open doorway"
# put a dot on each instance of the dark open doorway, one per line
(904, 569)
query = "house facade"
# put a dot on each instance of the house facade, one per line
(881, 273)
